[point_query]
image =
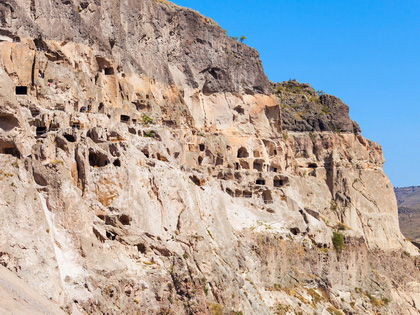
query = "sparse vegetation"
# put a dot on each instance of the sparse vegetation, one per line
(167, 3)
(214, 308)
(386, 300)
(325, 110)
(332, 310)
(297, 89)
(55, 161)
(373, 300)
(282, 309)
(316, 298)
(146, 120)
(279, 89)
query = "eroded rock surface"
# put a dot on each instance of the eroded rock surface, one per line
(148, 166)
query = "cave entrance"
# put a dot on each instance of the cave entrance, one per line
(280, 181)
(242, 153)
(267, 197)
(97, 159)
(109, 71)
(260, 182)
(9, 148)
(247, 194)
(75, 125)
(101, 108)
(125, 119)
(41, 131)
(244, 165)
(21, 90)
(258, 165)
(69, 138)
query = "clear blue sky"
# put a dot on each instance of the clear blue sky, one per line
(365, 52)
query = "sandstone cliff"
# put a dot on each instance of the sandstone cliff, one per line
(148, 166)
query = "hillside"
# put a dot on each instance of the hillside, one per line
(408, 199)
(148, 166)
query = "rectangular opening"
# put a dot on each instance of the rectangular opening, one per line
(247, 194)
(125, 119)
(21, 90)
(11, 151)
(260, 182)
(278, 183)
(258, 166)
(109, 71)
(35, 112)
(40, 131)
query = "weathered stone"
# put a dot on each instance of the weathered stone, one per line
(151, 168)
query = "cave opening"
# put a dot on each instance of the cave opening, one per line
(21, 90)
(242, 153)
(97, 159)
(109, 71)
(125, 119)
(260, 182)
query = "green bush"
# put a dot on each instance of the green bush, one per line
(341, 227)
(338, 241)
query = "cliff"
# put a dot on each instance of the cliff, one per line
(148, 166)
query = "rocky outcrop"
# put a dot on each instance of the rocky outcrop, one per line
(307, 110)
(148, 166)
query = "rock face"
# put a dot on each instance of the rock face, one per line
(17, 298)
(148, 166)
